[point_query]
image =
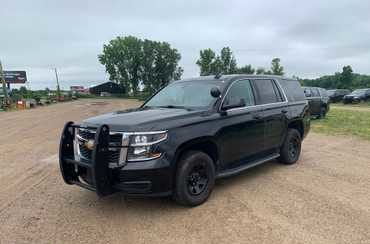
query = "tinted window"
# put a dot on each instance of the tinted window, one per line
(315, 92)
(293, 90)
(186, 94)
(266, 91)
(240, 90)
(323, 92)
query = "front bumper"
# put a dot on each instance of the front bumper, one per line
(149, 178)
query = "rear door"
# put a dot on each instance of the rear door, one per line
(315, 101)
(271, 98)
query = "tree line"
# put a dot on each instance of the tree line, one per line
(225, 63)
(136, 63)
(346, 79)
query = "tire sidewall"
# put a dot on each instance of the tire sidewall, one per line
(186, 164)
(285, 156)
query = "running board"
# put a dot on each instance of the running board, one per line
(239, 169)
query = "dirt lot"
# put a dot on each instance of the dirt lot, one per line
(325, 198)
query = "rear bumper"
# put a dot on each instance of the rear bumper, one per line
(146, 178)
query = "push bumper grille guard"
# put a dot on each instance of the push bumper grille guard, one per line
(101, 174)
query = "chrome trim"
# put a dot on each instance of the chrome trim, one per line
(124, 145)
(150, 143)
(144, 159)
(76, 147)
(81, 138)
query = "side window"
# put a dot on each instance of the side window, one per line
(315, 92)
(307, 92)
(266, 90)
(240, 90)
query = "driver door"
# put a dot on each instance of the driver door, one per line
(242, 128)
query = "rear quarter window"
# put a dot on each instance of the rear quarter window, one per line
(293, 90)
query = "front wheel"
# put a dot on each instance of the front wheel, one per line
(195, 178)
(291, 149)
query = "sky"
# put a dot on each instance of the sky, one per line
(312, 38)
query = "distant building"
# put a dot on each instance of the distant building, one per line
(79, 89)
(107, 88)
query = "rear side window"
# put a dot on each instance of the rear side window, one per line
(315, 92)
(323, 92)
(241, 89)
(267, 92)
(293, 90)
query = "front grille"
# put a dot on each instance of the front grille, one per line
(115, 140)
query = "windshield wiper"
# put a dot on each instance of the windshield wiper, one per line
(174, 106)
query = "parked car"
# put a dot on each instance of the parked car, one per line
(337, 95)
(318, 100)
(357, 96)
(187, 135)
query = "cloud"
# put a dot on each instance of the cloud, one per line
(312, 38)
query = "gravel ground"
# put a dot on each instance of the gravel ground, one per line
(324, 198)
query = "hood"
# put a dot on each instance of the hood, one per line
(147, 119)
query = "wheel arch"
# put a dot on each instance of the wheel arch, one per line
(298, 125)
(203, 144)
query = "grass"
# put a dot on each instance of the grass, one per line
(357, 105)
(344, 122)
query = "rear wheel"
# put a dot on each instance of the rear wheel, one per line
(195, 178)
(322, 113)
(291, 149)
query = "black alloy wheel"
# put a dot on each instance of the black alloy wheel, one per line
(291, 149)
(195, 178)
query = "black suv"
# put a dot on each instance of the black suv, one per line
(318, 101)
(336, 95)
(187, 135)
(357, 96)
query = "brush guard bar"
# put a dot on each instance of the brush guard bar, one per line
(101, 174)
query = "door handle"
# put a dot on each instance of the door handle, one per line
(256, 116)
(284, 111)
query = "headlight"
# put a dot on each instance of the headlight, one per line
(142, 145)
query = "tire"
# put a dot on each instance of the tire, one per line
(291, 149)
(322, 113)
(195, 178)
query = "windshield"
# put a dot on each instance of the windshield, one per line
(184, 94)
(358, 92)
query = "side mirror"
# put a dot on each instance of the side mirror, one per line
(241, 103)
(307, 94)
(215, 92)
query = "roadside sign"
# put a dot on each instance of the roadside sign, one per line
(15, 77)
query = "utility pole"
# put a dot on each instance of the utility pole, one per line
(5, 90)
(58, 88)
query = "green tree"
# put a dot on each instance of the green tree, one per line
(206, 61)
(122, 61)
(130, 61)
(227, 61)
(346, 77)
(159, 65)
(276, 68)
(246, 69)
(212, 64)
(178, 73)
(260, 71)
